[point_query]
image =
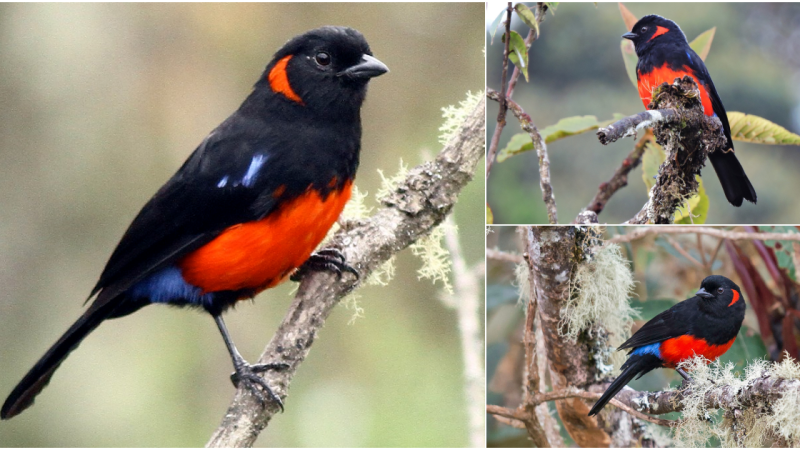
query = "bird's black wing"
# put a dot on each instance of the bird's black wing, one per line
(666, 325)
(208, 194)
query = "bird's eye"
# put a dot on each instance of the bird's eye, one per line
(720, 290)
(644, 29)
(322, 58)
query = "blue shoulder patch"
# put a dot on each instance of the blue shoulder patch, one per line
(252, 172)
(688, 55)
(652, 349)
(168, 286)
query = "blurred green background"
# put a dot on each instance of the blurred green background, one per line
(576, 69)
(101, 104)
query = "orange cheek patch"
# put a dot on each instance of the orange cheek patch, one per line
(735, 297)
(675, 350)
(279, 81)
(659, 32)
(663, 74)
(261, 254)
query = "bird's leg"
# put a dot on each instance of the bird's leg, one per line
(246, 373)
(686, 378)
(325, 259)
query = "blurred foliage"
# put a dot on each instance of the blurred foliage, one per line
(575, 70)
(664, 277)
(101, 104)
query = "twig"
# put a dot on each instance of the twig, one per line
(702, 251)
(500, 255)
(714, 253)
(527, 125)
(467, 296)
(683, 252)
(412, 210)
(505, 412)
(570, 393)
(631, 124)
(501, 114)
(620, 177)
(641, 232)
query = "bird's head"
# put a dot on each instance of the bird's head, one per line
(325, 69)
(652, 29)
(721, 293)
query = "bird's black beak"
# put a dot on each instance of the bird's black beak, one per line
(702, 293)
(368, 67)
(629, 35)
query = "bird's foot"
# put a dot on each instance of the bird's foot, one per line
(326, 259)
(246, 375)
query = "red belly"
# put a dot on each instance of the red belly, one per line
(675, 350)
(261, 254)
(651, 80)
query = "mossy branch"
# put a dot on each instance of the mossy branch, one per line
(687, 136)
(417, 205)
(762, 392)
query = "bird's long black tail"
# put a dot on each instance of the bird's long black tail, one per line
(37, 378)
(635, 365)
(731, 175)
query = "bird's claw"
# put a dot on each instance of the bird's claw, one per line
(246, 376)
(325, 259)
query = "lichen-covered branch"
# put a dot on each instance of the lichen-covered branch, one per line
(763, 391)
(637, 122)
(412, 210)
(527, 125)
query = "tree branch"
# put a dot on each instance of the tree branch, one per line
(641, 232)
(501, 114)
(637, 122)
(412, 210)
(499, 255)
(765, 390)
(527, 125)
(466, 300)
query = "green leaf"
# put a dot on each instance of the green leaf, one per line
(750, 128)
(702, 43)
(784, 250)
(489, 215)
(652, 159)
(552, 7)
(495, 24)
(520, 142)
(698, 206)
(627, 16)
(569, 126)
(630, 59)
(518, 53)
(527, 16)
